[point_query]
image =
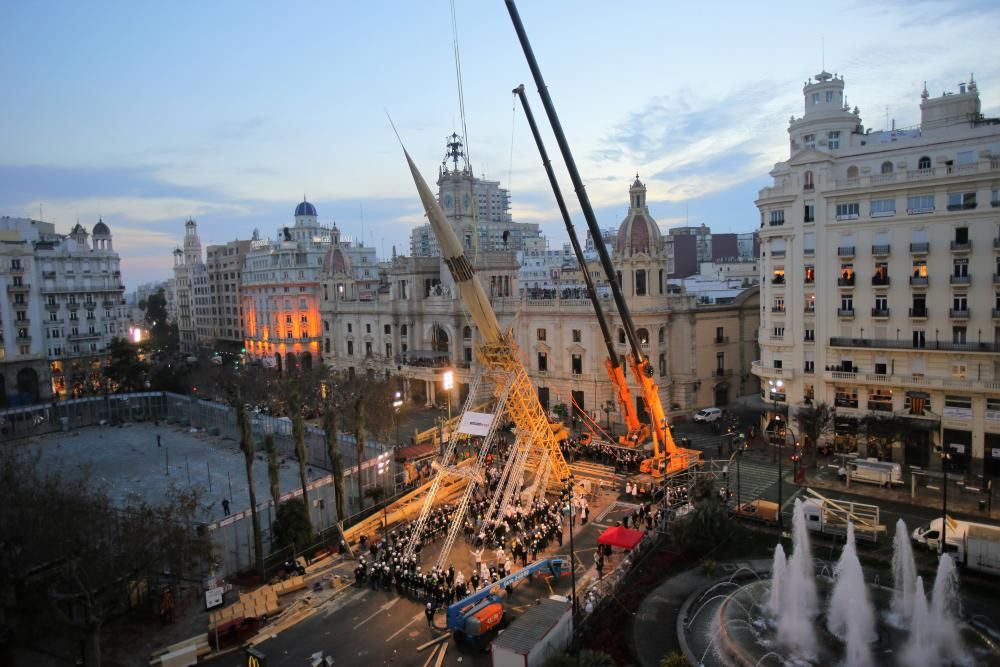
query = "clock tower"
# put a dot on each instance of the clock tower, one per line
(456, 191)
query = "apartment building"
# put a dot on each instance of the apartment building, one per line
(224, 270)
(880, 257)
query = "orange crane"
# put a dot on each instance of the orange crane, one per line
(670, 458)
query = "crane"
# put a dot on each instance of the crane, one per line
(671, 458)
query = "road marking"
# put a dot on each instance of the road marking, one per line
(413, 620)
(388, 605)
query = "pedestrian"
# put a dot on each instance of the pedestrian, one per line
(225, 506)
(429, 613)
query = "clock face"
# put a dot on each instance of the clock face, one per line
(448, 200)
(465, 201)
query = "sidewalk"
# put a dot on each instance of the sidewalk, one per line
(959, 501)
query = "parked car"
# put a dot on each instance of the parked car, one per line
(708, 415)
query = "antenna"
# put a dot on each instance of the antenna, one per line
(362, 207)
(822, 42)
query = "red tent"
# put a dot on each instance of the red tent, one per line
(623, 538)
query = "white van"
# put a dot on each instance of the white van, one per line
(708, 415)
(873, 471)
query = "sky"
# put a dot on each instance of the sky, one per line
(230, 112)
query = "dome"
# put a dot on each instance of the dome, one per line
(101, 229)
(336, 261)
(638, 232)
(305, 208)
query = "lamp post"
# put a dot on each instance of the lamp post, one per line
(571, 510)
(382, 464)
(448, 381)
(396, 404)
(945, 461)
(776, 385)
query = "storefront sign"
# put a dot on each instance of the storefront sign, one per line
(213, 597)
(475, 423)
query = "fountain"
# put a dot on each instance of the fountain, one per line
(904, 574)
(800, 618)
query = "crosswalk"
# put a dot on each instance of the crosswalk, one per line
(756, 480)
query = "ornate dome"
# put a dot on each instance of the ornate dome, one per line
(101, 229)
(305, 208)
(638, 232)
(336, 261)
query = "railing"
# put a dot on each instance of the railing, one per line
(996, 313)
(918, 312)
(721, 340)
(777, 253)
(962, 207)
(880, 312)
(958, 313)
(810, 308)
(845, 312)
(778, 309)
(778, 280)
(845, 251)
(911, 380)
(960, 280)
(809, 251)
(24, 287)
(920, 211)
(758, 369)
(837, 341)
(961, 246)
(919, 281)
(920, 247)
(880, 249)
(996, 278)
(845, 282)
(880, 280)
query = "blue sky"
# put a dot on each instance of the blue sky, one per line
(147, 113)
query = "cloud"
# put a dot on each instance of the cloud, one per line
(136, 209)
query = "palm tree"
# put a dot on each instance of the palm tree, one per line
(336, 459)
(359, 437)
(246, 445)
(273, 470)
(299, 436)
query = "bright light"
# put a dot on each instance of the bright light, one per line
(136, 335)
(449, 380)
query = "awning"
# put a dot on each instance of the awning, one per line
(621, 537)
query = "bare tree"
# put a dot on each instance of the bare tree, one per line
(336, 458)
(815, 422)
(273, 470)
(299, 438)
(246, 446)
(359, 437)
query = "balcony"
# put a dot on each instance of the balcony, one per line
(22, 323)
(960, 280)
(961, 246)
(778, 280)
(721, 340)
(722, 372)
(839, 376)
(880, 250)
(107, 305)
(16, 270)
(880, 280)
(920, 313)
(845, 312)
(23, 288)
(907, 344)
(920, 248)
(48, 274)
(958, 313)
(845, 251)
(996, 313)
(778, 309)
(809, 280)
(845, 282)
(880, 312)
(90, 305)
(996, 278)
(809, 251)
(83, 336)
(967, 206)
(810, 309)
(769, 371)
(919, 281)
(52, 307)
(23, 340)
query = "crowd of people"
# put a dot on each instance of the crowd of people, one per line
(624, 459)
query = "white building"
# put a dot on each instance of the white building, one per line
(64, 305)
(880, 253)
(191, 284)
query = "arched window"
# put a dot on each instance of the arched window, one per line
(924, 163)
(643, 336)
(886, 167)
(467, 333)
(663, 334)
(807, 181)
(852, 172)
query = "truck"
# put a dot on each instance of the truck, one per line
(873, 471)
(830, 517)
(975, 546)
(758, 510)
(539, 633)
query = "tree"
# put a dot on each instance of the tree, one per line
(336, 458)
(125, 371)
(881, 433)
(815, 422)
(586, 658)
(299, 438)
(359, 437)
(246, 446)
(675, 659)
(708, 524)
(292, 526)
(163, 334)
(273, 470)
(70, 553)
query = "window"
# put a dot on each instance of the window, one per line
(349, 327)
(778, 276)
(368, 328)
(777, 218)
(846, 397)
(577, 336)
(540, 334)
(402, 330)
(809, 363)
(809, 243)
(850, 211)
(961, 268)
(640, 283)
(388, 349)
(662, 364)
(621, 336)
(920, 268)
(886, 167)
(880, 400)
(779, 305)
(810, 211)
(577, 364)
(720, 333)
(368, 348)
(662, 334)
(543, 362)
(958, 371)
(881, 276)
(958, 201)
(810, 303)
(833, 140)
(918, 204)
(881, 303)
(350, 348)
(959, 335)
(882, 208)
(387, 329)
(847, 303)
(924, 163)
(846, 274)
(778, 332)
(466, 333)
(810, 273)
(962, 235)
(809, 140)
(852, 172)
(957, 406)
(643, 336)
(807, 181)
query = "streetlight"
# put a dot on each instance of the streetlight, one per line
(396, 404)
(449, 382)
(571, 511)
(775, 386)
(945, 461)
(382, 464)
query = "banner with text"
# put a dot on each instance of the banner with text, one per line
(475, 423)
